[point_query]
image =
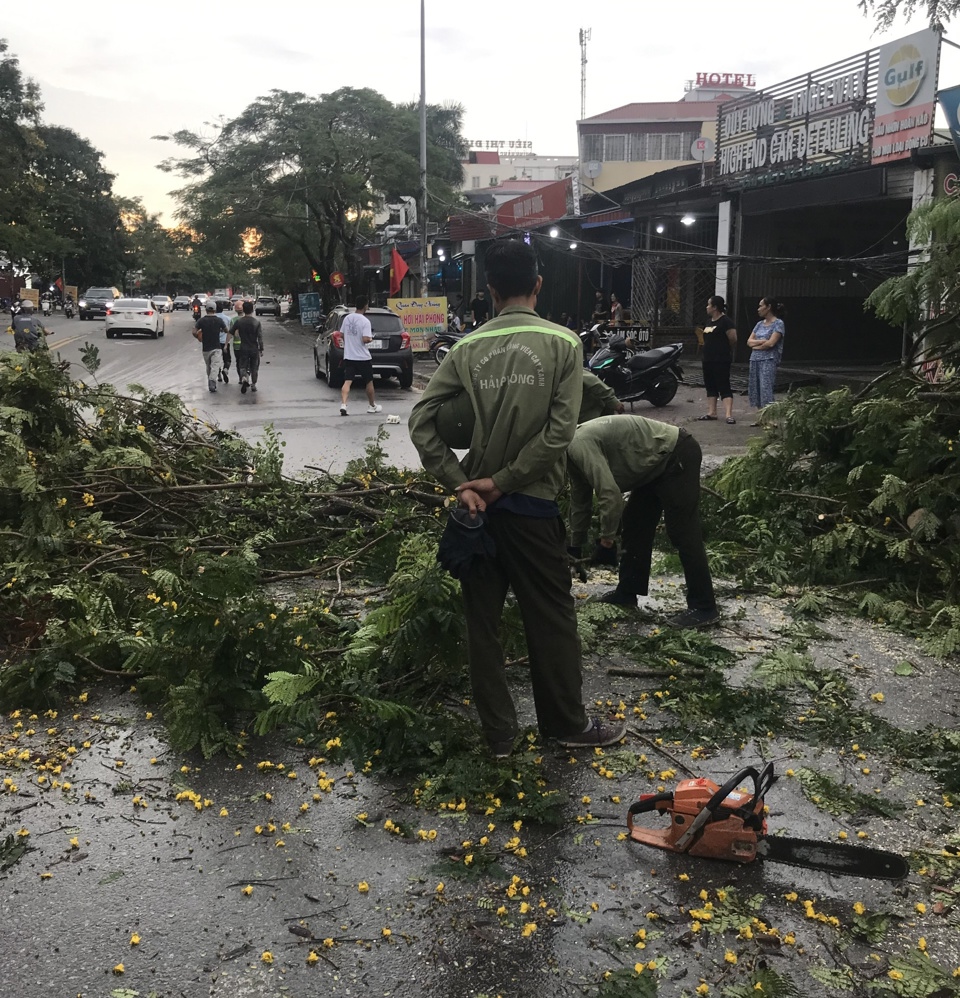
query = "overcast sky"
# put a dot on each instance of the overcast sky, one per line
(119, 73)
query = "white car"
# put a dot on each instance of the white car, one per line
(162, 303)
(133, 315)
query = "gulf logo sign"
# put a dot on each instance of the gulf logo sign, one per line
(903, 75)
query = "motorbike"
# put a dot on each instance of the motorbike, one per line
(68, 309)
(634, 375)
(442, 343)
(46, 306)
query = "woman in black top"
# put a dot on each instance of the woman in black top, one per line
(719, 346)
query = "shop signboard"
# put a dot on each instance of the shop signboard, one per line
(906, 96)
(950, 102)
(309, 308)
(547, 204)
(811, 124)
(422, 318)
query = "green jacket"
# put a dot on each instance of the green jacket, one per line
(610, 456)
(524, 378)
(598, 399)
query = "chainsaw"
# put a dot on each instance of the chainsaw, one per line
(728, 823)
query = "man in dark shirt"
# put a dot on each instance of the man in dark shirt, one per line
(250, 333)
(207, 331)
(480, 308)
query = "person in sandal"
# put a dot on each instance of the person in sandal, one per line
(523, 379)
(659, 465)
(719, 346)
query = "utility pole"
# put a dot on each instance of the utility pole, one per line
(423, 152)
(584, 38)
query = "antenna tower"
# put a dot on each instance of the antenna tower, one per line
(584, 38)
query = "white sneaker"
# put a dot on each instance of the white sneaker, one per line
(375, 408)
(343, 410)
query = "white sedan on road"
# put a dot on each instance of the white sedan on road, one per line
(133, 315)
(163, 303)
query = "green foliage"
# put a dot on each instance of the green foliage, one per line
(853, 498)
(628, 983)
(593, 624)
(782, 668)
(839, 799)
(870, 926)
(832, 977)
(766, 982)
(915, 976)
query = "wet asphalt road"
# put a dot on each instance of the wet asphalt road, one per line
(301, 408)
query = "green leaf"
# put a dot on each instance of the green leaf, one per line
(904, 668)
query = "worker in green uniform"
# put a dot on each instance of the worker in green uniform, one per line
(659, 465)
(524, 378)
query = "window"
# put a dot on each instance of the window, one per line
(654, 146)
(671, 146)
(614, 148)
(592, 146)
(474, 181)
(637, 150)
(494, 181)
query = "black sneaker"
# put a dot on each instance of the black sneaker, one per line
(226, 377)
(501, 750)
(243, 388)
(618, 598)
(599, 734)
(693, 619)
(253, 388)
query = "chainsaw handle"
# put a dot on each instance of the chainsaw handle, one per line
(649, 802)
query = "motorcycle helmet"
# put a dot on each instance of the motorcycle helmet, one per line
(26, 304)
(456, 421)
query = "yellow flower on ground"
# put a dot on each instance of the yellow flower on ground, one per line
(224, 812)
(859, 908)
(134, 939)
(895, 975)
(922, 944)
(74, 843)
(920, 908)
(312, 958)
(528, 929)
(703, 989)
(118, 969)
(248, 890)
(363, 887)
(266, 956)
(386, 933)
(730, 956)
(46, 876)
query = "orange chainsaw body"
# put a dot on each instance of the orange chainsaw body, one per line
(727, 835)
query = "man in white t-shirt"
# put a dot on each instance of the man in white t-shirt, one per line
(357, 362)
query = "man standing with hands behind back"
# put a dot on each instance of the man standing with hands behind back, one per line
(524, 379)
(357, 361)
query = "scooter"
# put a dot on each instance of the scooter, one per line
(442, 343)
(46, 306)
(652, 375)
(68, 308)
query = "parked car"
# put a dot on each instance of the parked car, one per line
(133, 315)
(163, 303)
(265, 305)
(224, 304)
(390, 348)
(182, 302)
(94, 302)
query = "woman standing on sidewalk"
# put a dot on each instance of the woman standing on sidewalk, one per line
(719, 346)
(766, 344)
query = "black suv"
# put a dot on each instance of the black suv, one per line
(390, 349)
(96, 301)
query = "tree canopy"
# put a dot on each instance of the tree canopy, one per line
(307, 172)
(884, 12)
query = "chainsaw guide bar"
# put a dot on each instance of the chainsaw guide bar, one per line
(728, 823)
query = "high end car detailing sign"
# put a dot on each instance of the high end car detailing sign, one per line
(906, 96)
(422, 319)
(824, 121)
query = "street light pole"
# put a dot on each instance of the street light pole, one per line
(423, 152)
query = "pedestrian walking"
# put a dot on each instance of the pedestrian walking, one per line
(225, 340)
(766, 344)
(524, 379)
(249, 332)
(207, 330)
(719, 346)
(357, 361)
(29, 333)
(659, 465)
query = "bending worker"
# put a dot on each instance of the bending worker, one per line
(659, 465)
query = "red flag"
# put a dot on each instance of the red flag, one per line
(59, 283)
(398, 270)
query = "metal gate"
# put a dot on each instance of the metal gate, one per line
(670, 293)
